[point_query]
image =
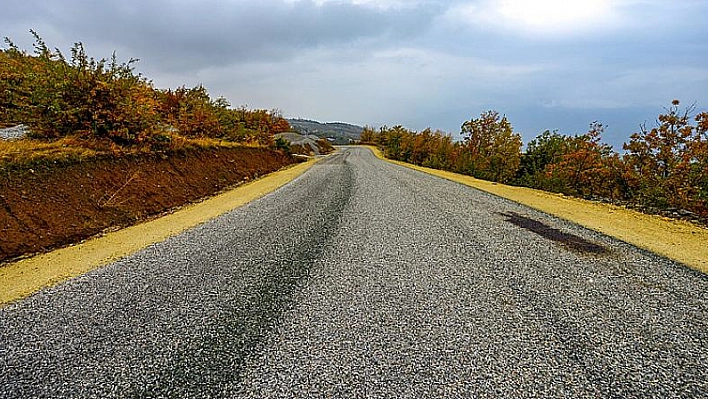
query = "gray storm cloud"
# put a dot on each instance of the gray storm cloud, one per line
(195, 34)
(419, 63)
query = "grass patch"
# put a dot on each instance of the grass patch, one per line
(28, 153)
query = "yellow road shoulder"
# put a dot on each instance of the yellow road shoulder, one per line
(27, 276)
(682, 241)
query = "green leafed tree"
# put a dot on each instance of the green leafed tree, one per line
(546, 149)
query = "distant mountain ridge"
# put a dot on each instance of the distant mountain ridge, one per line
(342, 133)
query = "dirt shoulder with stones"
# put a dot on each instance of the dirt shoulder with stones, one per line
(50, 206)
(679, 240)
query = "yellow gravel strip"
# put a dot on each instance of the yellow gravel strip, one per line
(678, 240)
(26, 276)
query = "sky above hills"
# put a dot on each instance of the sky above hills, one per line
(546, 64)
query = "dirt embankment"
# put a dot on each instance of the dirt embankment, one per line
(50, 206)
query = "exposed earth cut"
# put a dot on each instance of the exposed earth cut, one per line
(48, 206)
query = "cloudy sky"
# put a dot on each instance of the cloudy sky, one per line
(546, 64)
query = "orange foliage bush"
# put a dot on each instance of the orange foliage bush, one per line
(490, 149)
(106, 100)
(665, 168)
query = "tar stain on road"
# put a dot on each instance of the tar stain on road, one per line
(567, 240)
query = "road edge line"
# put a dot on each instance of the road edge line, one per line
(686, 244)
(25, 277)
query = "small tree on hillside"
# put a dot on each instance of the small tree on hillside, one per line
(546, 149)
(662, 158)
(494, 149)
(583, 167)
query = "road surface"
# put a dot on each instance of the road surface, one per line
(366, 279)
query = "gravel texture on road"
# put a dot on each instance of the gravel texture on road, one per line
(366, 279)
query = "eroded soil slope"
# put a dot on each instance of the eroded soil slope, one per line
(47, 207)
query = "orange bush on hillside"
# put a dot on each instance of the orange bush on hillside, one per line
(106, 100)
(665, 168)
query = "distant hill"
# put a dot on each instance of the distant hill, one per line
(341, 133)
(306, 144)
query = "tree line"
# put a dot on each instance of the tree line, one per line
(99, 99)
(662, 168)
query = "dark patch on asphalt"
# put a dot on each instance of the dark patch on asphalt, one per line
(567, 240)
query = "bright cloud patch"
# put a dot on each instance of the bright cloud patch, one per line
(553, 14)
(540, 17)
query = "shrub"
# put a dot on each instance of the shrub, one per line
(82, 96)
(106, 100)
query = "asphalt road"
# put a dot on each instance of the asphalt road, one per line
(365, 279)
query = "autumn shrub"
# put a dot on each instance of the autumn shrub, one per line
(489, 150)
(664, 168)
(191, 112)
(698, 162)
(494, 150)
(101, 99)
(368, 136)
(581, 168)
(668, 164)
(58, 97)
(324, 146)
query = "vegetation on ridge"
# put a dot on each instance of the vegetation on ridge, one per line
(663, 168)
(339, 132)
(105, 105)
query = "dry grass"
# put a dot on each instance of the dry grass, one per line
(27, 152)
(678, 240)
(31, 151)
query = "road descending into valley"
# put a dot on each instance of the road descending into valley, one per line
(365, 279)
